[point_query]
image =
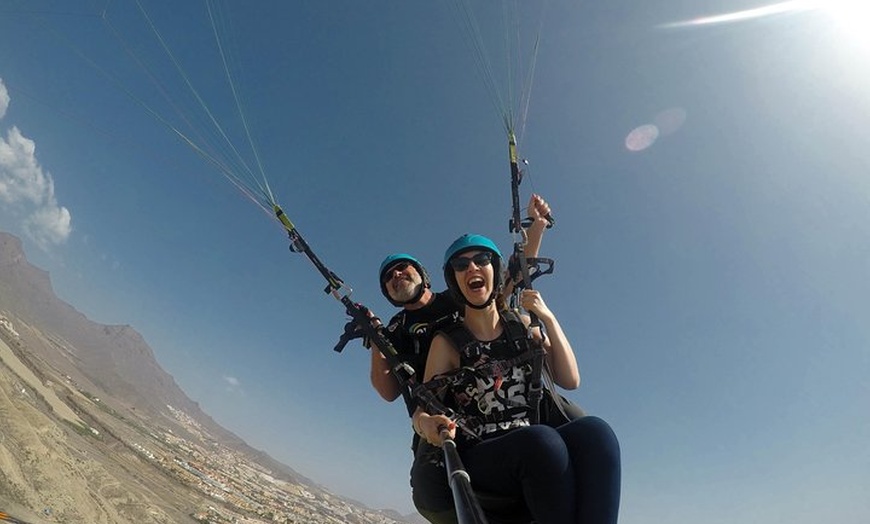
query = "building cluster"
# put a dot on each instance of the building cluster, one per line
(7, 327)
(243, 491)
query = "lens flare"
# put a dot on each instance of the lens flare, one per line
(641, 137)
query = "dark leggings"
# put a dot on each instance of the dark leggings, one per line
(567, 475)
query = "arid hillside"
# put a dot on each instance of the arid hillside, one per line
(95, 431)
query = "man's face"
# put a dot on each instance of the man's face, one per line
(402, 281)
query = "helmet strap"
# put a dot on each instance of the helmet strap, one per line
(482, 306)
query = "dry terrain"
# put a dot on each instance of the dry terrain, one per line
(93, 430)
(56, 468)
(67, 456)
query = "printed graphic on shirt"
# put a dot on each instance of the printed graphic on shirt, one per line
(493, 392)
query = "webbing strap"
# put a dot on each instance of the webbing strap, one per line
(528, 349)
(518, 334)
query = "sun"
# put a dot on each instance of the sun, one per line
(855, 9)
(853, 16)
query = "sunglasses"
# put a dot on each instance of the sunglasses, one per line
(484, 258)
(388, 274)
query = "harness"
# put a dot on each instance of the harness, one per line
(524, 351)
(421, 333)
(417, 337)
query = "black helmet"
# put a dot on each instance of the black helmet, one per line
(392, 260)
(470, 242)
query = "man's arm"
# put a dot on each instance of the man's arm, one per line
(382, 380)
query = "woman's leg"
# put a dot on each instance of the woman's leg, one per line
(594, 452)
(530, 462)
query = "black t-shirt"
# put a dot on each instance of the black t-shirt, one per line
(411, 333)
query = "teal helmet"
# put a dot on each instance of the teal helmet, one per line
(470, 242)
(394, 259)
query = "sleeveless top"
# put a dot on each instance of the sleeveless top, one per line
(490, 390)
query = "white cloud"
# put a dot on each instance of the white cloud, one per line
(234, 386)
(4, 99)
(29, 190)
(49, 225)
(21, 177)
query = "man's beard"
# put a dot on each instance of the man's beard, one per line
(406, 291)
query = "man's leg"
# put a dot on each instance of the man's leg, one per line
(430, 489)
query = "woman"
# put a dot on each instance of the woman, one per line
(569, 474)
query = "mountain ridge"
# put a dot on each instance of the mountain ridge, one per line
(114, 359)
(114, 365)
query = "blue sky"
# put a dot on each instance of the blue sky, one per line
(709, 175)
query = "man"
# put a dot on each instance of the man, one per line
(405, 283)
